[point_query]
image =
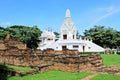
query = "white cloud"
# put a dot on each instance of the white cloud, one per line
(106, 12)
(107, 9)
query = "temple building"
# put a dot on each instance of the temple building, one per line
(67, 39)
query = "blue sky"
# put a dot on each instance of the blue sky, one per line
(51, 13)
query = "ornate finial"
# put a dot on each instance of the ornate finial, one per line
(68, 13)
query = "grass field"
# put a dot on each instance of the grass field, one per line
(111, 59)
(60, 75)
(53, 75)
(22, 69)
(106, 77)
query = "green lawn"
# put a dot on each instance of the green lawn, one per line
(53, 75)
(106, 77)
(111, 59)
(22, 69)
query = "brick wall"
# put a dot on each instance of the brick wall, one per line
(5, 44)
(45, 62)
(68, 60)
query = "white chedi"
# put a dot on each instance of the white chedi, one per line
(67, 39)
(68, 25)
(68, 28)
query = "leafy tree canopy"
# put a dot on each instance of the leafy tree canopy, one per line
(28, 35)
(105, 37)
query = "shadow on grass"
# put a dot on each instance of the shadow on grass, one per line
(3, 74)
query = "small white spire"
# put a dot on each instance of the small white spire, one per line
(68, 13)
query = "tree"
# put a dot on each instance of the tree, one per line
(96, 34)
(2, 33)
(56, 34)
(109, 37)
(78, 35)
(105, 37)
(117, 39)
(32, 37)
(28, 35)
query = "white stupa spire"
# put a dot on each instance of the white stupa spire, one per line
(68, 13)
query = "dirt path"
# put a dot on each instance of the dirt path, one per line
(90, 76)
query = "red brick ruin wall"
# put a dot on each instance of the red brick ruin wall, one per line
(46, 60)
(5, 45)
